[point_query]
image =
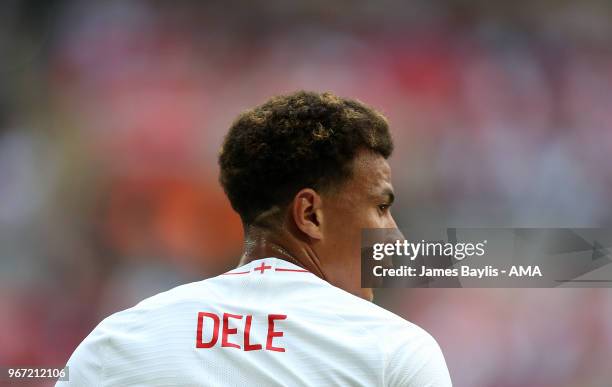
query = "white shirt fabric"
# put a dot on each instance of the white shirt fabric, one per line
(327, 337)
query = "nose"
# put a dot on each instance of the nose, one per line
(391, 222)
(396, 233)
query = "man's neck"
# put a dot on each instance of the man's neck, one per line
(261, 243)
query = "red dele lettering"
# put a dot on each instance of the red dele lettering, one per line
(211, 322)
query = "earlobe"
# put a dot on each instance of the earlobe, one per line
(307, 213)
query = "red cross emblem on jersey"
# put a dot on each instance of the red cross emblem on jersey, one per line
(263, 267)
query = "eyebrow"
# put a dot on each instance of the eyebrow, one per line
(389, 193)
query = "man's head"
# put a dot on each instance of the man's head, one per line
(312, 168)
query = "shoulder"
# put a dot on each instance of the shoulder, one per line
(374, 316)
(412, 355)
(123, 337)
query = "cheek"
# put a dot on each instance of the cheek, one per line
(373, 219)
(364, 219)
(345, 221)
(344, 232)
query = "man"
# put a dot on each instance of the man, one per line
(306, 173)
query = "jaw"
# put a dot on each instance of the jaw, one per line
(367, 294)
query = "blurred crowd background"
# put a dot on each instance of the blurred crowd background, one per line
(112, 114)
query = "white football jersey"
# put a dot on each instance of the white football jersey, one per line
(267, 323)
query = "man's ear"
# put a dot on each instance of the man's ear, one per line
(307, 212)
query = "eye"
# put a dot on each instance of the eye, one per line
(383, 207)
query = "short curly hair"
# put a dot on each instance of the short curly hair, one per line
(296, 141)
